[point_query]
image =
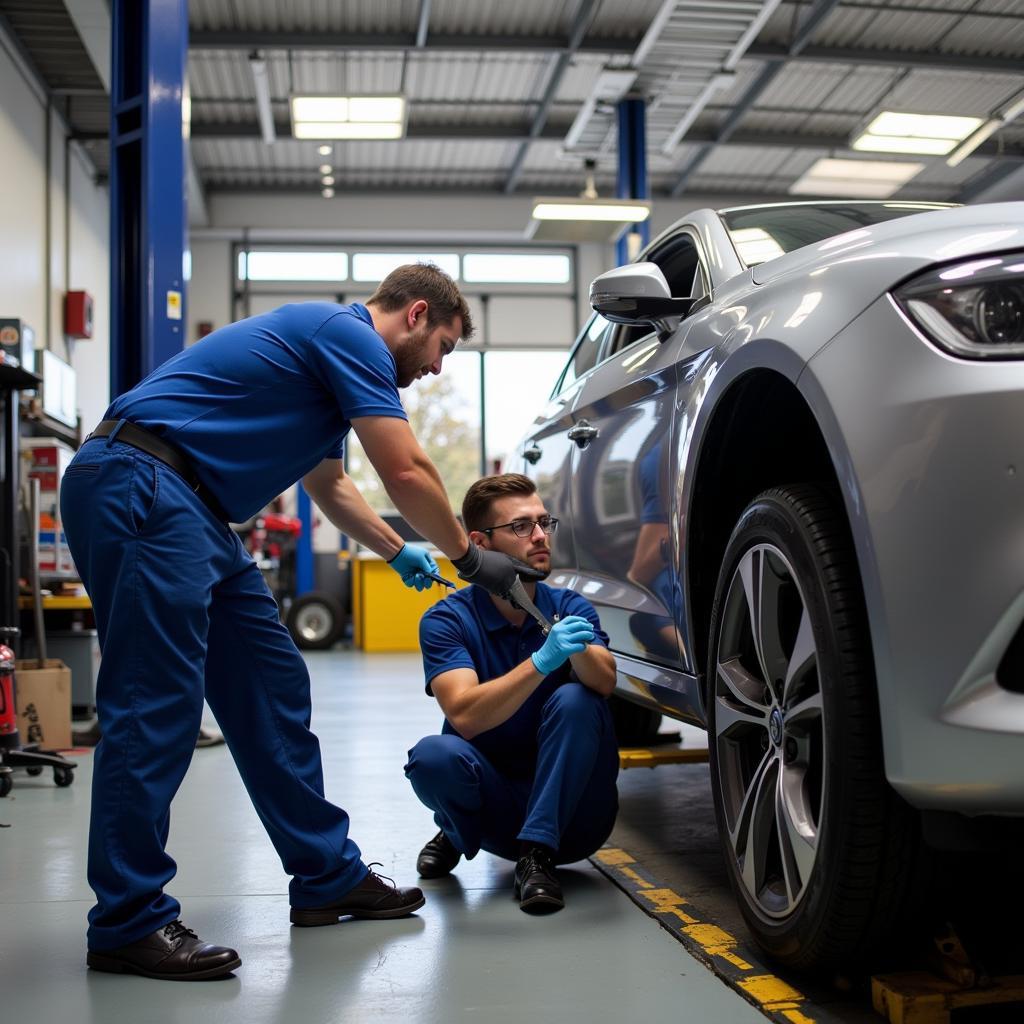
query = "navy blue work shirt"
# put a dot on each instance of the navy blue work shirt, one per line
(259, 403)
(466, 630)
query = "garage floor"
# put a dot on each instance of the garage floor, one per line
(470, 953)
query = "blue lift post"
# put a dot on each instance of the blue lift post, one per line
(149, 45)
(632, 178)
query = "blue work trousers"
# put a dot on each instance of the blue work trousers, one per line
(182, 612)
(569, 802)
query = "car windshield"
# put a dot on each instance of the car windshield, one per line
(760, 233)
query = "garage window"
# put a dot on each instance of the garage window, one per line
(296, 265)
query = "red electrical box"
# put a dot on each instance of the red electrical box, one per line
(78, 315)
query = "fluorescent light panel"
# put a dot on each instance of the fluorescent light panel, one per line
(931, 134)
(609, 210)
(348, 117)
(867, 179)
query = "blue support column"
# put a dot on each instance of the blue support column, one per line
(149, 44)
(304, 547)
(632, 180)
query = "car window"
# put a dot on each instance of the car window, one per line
(584, 352)
(679, 260)
(625, 336)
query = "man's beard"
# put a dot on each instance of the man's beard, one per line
(409, 356)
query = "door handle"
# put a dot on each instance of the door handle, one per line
(532, 454)
(583, 433)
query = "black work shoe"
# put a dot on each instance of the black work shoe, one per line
(536, 886)
(437, 858)
(171, 953)
(374, 897)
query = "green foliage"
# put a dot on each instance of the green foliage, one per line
(443, 424)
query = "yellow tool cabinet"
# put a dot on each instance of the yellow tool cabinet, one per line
(385, 612)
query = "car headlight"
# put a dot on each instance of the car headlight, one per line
(973, 309)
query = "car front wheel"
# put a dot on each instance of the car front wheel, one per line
(817, 844)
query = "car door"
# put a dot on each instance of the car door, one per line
(623, 476)
(546, 453)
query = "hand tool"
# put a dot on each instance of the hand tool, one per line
(438, 578)
(516, 596)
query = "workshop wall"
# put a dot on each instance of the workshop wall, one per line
(53, 230)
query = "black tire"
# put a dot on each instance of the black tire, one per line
(820, 854)
(63, 777)
(635, 725)
(34, 770)
(315, 621)
(5, 784)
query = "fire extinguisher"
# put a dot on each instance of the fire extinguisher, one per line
(8, 719)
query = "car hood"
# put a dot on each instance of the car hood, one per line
(898, 247)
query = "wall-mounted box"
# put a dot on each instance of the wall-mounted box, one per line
(78, 314)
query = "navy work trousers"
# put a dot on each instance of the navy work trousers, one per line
(182, 612)
(568, 804)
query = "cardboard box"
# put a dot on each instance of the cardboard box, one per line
(43, 698)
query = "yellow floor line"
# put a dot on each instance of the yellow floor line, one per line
(776, 998)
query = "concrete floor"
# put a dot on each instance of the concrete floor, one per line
(470, 953)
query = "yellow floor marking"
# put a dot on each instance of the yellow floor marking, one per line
(797, 1017)
(630, 873)
(668, 902)
(613, 857)
(771, 992)
(717, 942)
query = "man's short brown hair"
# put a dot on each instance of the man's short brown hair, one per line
(413, 281)
(476, 506)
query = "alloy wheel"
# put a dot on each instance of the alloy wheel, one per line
(769, 731)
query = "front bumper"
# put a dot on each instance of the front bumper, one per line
(929, 450)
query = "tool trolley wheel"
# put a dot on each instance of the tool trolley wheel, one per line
(819, 849)
(5, 784)
(315, 621)
(34, 770)
(63, 777)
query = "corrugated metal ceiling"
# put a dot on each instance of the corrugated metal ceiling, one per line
(491, 90)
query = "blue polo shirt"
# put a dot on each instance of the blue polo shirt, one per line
(466, 630)
(259, 403)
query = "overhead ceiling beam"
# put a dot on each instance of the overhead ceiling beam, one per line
(213, 130)
(423, 25)
(581, 22)
(497, 132)
(818, 13)
(886, 58)
(209, 39)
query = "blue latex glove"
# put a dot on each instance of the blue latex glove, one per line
(569, 636)
(412, 563)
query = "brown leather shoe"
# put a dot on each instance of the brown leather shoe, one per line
(374, 897)
(171, 953)
(438, 857)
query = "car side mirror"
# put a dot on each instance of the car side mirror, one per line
(638, 294)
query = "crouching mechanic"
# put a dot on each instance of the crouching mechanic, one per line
(526, 762)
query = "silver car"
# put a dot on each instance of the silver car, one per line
(788, 454)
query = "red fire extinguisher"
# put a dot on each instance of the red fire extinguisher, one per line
(8, 718)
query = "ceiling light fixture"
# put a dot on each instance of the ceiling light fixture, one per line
(326, 169)
(986, 131)
(893, 131)
(584, 218)
(325, 150)
(865, 179)
(348, 117)
(264, 110)
(327, 180)
(327, 193)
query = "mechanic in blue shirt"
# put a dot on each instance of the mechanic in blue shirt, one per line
(182, 610)
(526, 762)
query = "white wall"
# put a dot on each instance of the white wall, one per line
(38, 266)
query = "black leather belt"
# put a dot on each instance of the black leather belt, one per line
(151, 444)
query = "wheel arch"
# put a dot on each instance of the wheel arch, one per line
(762, 433)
